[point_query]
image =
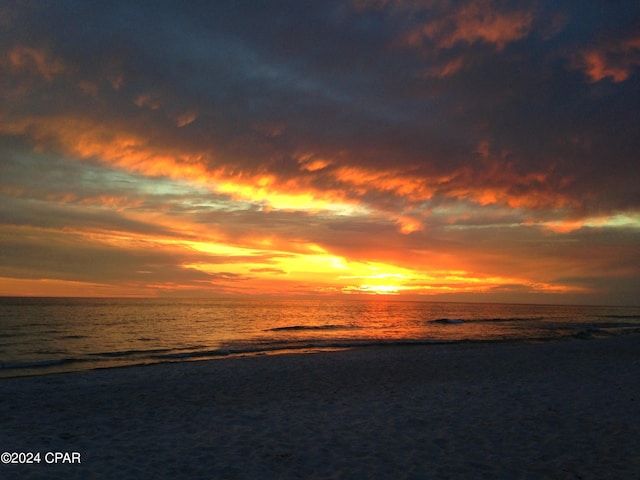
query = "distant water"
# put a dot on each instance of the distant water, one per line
(49, 335)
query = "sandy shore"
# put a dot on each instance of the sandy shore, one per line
(564, 410)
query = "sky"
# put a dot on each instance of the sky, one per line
(438, 150)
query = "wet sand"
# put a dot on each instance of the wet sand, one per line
(561, 410)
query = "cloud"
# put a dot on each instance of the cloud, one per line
(275, 271)
(22, 58)
(614, 60)
(470, 22)
(238, 142)
(352, 121)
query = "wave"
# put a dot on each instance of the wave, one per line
(146, 357)
(38, 363)
(128, 353)
(13, 335)
(312, 327)
(614, 324)
(219, 352)
(452, 321)
(264, 349)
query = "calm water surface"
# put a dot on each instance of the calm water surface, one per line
(48, 335)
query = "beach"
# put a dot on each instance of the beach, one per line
(560, 410)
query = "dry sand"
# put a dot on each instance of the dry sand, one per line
(563, 410)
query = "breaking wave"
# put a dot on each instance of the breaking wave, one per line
(312, 327)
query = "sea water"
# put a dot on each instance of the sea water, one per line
(50, 335)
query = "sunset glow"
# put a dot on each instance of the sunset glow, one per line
(482, 151)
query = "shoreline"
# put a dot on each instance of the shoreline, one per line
(567, 409)
(61, 367)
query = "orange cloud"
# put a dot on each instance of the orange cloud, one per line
(616, 61)
(491, 180)
(473, 22)
(186, 118)
(115, 145)
(85, 139)
(444, 70)
(565, 226)
(448, 24)
(311, 163)
(629, 221)
(409, 224)
(40, 61)
(147, 100)
(399, 183)
(45, 287)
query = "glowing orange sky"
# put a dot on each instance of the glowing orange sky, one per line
(446, 153)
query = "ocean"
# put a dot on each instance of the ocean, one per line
(40, 336)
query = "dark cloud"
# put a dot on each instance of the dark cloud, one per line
(334, 79)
